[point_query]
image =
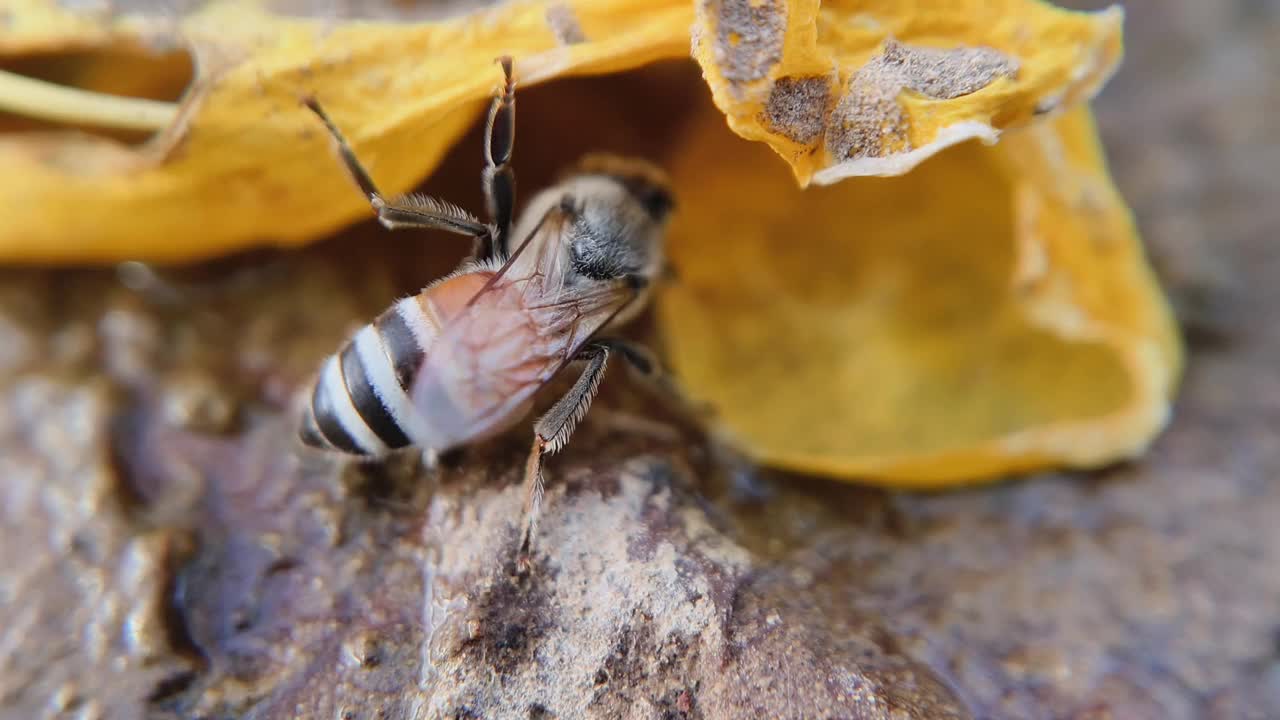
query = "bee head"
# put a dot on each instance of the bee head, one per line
(646, 183)
(619, 212)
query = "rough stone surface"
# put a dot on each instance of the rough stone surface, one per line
(332, 592)
(164, 557)
(83, 592)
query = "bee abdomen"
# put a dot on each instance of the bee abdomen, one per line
(360, 404)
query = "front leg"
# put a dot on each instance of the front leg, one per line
(499, 140)
(552, 431)
(410, 211)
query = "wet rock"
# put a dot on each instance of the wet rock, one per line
(84, 592)
(337, 592)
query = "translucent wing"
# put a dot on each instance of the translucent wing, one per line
(504, 333)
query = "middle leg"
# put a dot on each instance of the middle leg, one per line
(552, 431)
(654, 378)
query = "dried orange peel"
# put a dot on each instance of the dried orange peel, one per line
(987, 313)
(981, 306)
(875, 87)
(241, 164)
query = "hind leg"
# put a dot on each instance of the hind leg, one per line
(552, 431)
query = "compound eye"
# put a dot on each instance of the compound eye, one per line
(570, 206)
(656, 201)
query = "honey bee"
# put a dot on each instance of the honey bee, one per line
(462, 360)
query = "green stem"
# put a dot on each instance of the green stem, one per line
(59, 103)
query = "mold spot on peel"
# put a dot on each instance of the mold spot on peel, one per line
(948, 74)
(379, 10)
(564, 24)
(797, 107)
(869, 122)
(749, 37)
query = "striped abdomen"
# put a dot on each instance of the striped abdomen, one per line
(427, 374)
(360, 402)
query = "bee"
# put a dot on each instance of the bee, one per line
(463, 359)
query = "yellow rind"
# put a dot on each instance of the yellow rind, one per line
(246, 165)
(1063, 57)
(988, 314)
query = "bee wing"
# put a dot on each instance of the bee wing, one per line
(506, 339)
(592, 302)
(510, 337)
(488, 361)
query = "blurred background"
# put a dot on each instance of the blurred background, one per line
(1146, 590)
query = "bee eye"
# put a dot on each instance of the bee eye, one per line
(656, 201)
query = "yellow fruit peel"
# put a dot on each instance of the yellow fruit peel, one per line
(245, 165)
(981, 306)
(848, 89)
(988, 313)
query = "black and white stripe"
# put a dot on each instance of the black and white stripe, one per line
(360, 403)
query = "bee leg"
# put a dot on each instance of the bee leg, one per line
(453, 459)
(408, 211)
(499, 178)
(552, 431)
(533, 492)
(653, 377)
(638, 357)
